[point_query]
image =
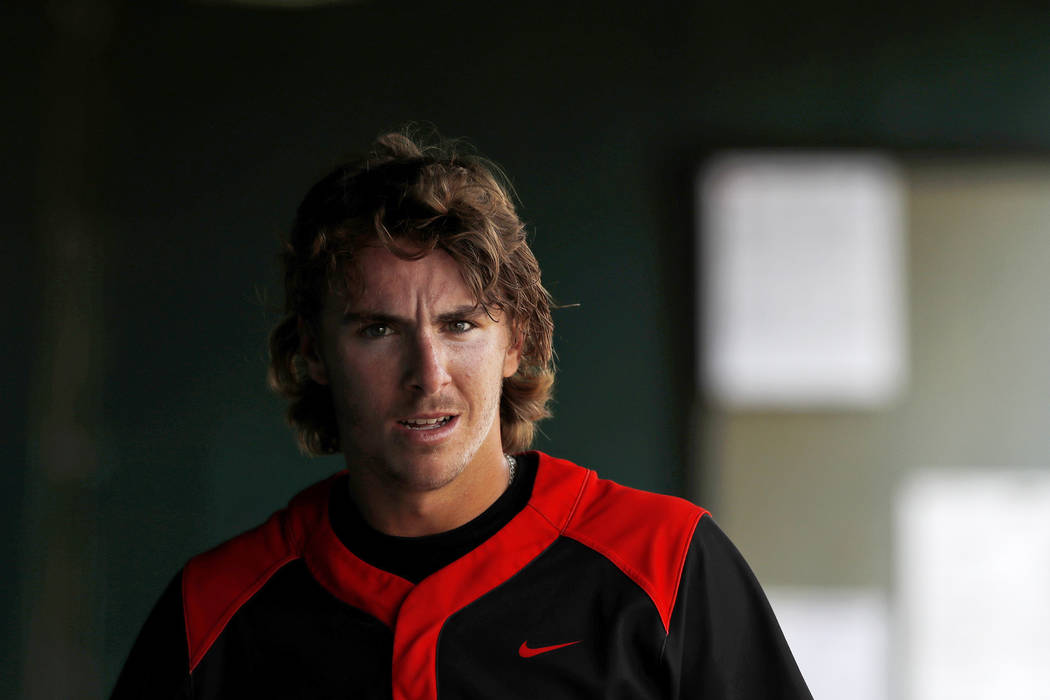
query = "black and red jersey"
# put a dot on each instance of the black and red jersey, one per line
(586, 589)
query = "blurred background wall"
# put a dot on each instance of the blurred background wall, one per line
(155, 153)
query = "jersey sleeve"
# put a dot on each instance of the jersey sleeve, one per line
(724, 641)
(158, 665)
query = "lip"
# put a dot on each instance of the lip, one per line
(427, 436)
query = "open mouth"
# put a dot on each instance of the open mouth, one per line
(425, 423)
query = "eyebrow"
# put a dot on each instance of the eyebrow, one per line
(466, 312)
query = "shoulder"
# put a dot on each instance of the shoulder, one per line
(646, 535)
(608, 511)
(218, 582)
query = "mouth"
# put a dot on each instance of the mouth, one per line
(426, 423)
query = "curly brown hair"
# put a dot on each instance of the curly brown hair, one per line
(412, 199)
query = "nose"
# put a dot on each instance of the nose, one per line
(426, 371)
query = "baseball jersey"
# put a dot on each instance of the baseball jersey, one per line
(570, 586)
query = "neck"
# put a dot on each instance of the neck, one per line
(391, 508)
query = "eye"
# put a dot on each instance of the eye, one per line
(461, 326)
(377, 330)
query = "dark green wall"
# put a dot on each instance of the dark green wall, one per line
(210, 122)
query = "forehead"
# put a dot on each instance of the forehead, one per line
(378, 278)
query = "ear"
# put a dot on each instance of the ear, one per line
(512, 360)
(311, 353)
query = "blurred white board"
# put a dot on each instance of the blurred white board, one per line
(839, 637)
(973, 584)
(801, 280)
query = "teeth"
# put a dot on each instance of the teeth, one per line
(425, 423)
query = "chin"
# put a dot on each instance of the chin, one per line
(429, 473)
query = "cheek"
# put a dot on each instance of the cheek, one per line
(475, 376)
(361, 377)
(480, 361)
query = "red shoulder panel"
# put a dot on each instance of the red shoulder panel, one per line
(217, 583)
(646, 535)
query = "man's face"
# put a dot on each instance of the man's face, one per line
(415, 368)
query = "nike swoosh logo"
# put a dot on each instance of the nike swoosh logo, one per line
(525, 652)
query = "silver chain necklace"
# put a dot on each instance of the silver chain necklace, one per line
(512, 466)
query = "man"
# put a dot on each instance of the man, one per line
(447, 561)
